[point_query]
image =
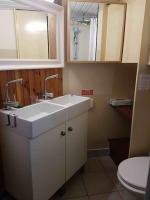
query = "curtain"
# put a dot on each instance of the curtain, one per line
(93, 39)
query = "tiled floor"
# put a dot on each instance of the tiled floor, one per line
(98, 182)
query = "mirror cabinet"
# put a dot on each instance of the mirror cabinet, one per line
(95, 31)
(31, 34)
(27, 34)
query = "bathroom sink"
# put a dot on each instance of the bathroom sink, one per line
(36, 119)
(69, 100)
(75, 105)
(37, 111)
(33, 120)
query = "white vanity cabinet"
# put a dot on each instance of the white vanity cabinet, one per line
(76, 144)
(34, 169)
(43, 145)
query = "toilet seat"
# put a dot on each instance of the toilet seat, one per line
(133, 173)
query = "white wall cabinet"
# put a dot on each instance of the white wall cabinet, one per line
(76, 144)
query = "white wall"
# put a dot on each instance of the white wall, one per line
(140, 134)
(107, 81)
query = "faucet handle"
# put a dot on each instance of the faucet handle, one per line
(48, 95)
(51, 95)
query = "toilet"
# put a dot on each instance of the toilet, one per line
(133, 173)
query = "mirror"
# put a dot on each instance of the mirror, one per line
(31, 33)
(27, 34)
(95, 31)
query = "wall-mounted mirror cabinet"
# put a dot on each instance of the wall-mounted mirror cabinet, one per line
(31, 34)
(95, 31)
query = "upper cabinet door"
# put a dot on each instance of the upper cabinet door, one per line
(133, 31)
(95, 31)
(115, 32)
(31, 35)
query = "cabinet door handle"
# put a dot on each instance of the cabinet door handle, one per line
(63, 133)
(70, 129)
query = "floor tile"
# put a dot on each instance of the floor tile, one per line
(93, 165)
(110, 196)
(115, 180)
(74, 188)
(128, 196)
(96, 183)
(108, 164)
(58, 197)
(81, 198)
(5, 196)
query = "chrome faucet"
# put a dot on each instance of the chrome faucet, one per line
(48, 94)
(7, 102)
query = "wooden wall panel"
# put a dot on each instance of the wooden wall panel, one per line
(33, 84)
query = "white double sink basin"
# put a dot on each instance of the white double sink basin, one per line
(33, 120)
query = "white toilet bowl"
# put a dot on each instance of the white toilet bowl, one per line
(133, 173)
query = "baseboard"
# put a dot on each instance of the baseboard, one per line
(98, 152)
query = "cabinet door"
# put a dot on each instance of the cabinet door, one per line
(133, 31)
(76, 144)
(115, 32)
(48, 163)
